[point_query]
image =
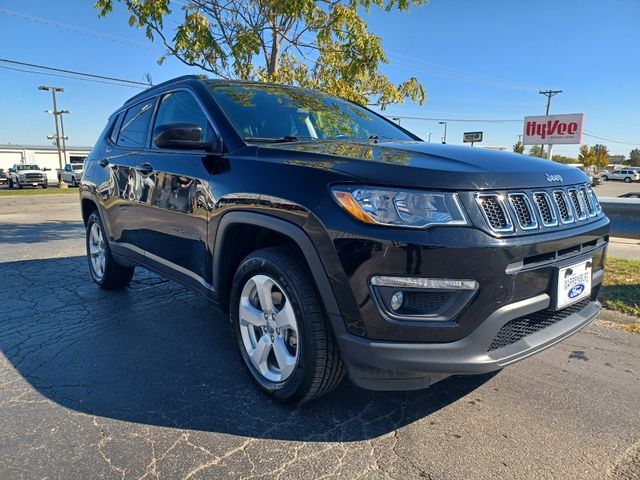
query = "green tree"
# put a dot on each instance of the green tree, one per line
(601, 155)
(518, 147)
(322, 44)
(586, 156)
(634, 157)
(536, 151)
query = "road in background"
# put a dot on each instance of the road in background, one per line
(147, 381)
(613, 188)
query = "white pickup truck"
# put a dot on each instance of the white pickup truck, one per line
(71, 174)
(27, 175)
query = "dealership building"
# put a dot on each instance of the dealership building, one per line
(45, 156)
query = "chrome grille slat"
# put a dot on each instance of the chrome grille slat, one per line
(578, 206)
(562, 203)
(591, 211)
(545, 209)
(523, 210)
(495, 212)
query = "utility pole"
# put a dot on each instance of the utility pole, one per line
(548, 94)
(429, 137)
(444, 139)
(53, 90)
(64, 139)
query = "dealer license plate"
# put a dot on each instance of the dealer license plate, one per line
(574, 283)
(35, 184)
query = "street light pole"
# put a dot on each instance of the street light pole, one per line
(64, 139)
(53, 90)
(444, 139)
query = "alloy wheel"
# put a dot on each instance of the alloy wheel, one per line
(269, 328)
(97, 253)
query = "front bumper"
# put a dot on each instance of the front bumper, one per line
(381, 365)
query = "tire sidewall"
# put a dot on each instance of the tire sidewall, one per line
(298, 383)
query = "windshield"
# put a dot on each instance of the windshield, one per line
(273, 112)
(77, 166)
(28, 167)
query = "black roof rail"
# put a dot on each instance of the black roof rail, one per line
(153, 88)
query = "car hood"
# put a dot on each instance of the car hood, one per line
(429, 165)
(22, 172)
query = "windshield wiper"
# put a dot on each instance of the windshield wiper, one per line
(285, 139)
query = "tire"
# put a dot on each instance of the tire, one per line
(45, 185)
(73, 182)
(307, 348)
(605, 178)
(627, 179)
(20, 187)
(11, 184)
(104, 270)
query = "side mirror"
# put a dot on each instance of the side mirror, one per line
(46, 169)
(182, 136)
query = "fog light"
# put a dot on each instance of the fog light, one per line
(396, 300)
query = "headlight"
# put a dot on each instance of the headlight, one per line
(404, 208)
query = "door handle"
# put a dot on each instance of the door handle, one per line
(145, 168)
(103, 162)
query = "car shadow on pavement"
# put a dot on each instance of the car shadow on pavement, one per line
(159, 354)
(41, 232)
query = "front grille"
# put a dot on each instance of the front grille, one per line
(494, 212)
(545, 209)
(533, 211)
(520, 327)
(33, 176)
(524, 212)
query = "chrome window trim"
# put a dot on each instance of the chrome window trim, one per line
(500, 199)
(554, 221)
(532, 214)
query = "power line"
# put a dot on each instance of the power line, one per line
(609, 139)
(73, 72)
(69, 76)
(77, 29)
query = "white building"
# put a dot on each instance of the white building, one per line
(45, 156)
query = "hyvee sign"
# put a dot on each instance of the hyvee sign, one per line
(553, 129)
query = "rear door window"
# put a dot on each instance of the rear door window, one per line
(135, 125)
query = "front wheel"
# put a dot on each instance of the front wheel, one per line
(104, 270)
(11, 184)
(627, 179)
(281, 330)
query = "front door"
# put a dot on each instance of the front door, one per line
(175, 197)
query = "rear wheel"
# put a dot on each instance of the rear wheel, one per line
(605, 178)
(104, 270)
(627, 179)
(281, 330)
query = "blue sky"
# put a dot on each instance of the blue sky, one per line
(477, 59)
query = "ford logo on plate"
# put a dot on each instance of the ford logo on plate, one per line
(576, 290)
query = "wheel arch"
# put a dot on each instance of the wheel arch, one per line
(230, 231)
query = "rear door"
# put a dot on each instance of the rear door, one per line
(175, 197)
(128, 139)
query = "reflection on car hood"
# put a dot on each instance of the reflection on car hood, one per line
(420, 164)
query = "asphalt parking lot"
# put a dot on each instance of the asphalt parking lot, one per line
(146, 383)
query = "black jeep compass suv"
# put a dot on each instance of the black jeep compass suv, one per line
(339, 242)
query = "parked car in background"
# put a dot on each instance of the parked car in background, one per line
(71, 174)
(630, 195)
(3, 176)
(27, 175)
(625, 174)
